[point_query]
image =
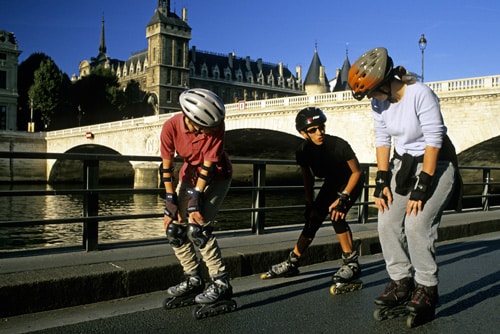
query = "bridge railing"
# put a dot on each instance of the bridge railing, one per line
(483, 190)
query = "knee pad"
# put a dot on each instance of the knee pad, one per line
(311, 227)
(176, 234)
(199, 235)
(340, 226)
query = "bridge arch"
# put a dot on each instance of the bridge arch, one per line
(71, 171)
(485, 153)
(261, 143)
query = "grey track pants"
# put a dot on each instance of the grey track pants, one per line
(408, 242)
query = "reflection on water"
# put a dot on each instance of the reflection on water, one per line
(65, 206)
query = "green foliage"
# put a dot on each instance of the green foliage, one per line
(58, 103)
(25, 77)
(46, 92)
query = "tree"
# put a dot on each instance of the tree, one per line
(25, 79)
(47, 90)
(99, 96)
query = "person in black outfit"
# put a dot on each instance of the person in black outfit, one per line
(332, 159)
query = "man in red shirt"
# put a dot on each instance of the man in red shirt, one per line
(197, 136)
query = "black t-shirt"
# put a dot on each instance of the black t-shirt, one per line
(328, 160)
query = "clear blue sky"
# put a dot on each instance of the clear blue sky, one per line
(463, 37)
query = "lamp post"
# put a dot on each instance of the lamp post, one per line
(31, 125)
(422, 43)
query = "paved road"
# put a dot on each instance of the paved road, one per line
(469, 295)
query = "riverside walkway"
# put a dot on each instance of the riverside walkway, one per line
(45, 280)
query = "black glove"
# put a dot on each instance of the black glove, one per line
(342, 206)
(422, 189)
(171, 206)
(382, 180)
(194, 202)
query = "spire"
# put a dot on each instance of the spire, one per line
(102, 45)
(342, 75)
(164, 6)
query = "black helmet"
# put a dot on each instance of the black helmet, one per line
(308, 117)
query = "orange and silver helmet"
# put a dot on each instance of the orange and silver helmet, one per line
(369, 72)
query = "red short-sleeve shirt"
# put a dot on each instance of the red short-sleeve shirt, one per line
(193, 148)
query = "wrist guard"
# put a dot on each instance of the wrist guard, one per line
(194, 202)
(343, 205)
(171, 206)
(382, 180)
(422, 189)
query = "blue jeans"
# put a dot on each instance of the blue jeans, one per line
(408, 242)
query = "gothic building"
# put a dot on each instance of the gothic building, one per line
(169, 66)
(9, 54)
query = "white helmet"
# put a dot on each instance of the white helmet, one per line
(203, 107)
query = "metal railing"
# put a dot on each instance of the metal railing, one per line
(482, 190)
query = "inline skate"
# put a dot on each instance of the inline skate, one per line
(287, 268)
(392, 302)
(422, 306)
(346, 278)
(216, 299)
(184, 293)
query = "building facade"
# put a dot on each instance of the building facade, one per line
(9, 55)
(169, 66)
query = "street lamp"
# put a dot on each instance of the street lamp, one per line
(31, 125)
(422, 43)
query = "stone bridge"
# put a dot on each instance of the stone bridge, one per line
(471, 109)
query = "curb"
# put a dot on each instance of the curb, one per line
(47, 289)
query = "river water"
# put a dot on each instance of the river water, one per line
(64, 206)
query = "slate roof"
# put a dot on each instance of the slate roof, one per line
(341, 83)
(170, 18)
(312, 77)
(234, 63)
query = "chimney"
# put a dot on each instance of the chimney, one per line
(322, 74)
(193, 54)
(298, 70)
(184, 14)
(248, 63)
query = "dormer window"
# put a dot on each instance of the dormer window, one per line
(227, 74)
(239, 75)
(204, 71)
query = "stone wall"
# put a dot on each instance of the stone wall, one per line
(22, 170)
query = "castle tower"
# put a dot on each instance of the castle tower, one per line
(168, 45)
(316, 81)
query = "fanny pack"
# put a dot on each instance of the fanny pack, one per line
(406, 178)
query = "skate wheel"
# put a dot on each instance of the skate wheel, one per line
(333, 290)
(377, 315)
(410, 321)
(167, 305)
(264, 276)
(196, 312)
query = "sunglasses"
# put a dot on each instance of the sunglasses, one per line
(321, 128)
